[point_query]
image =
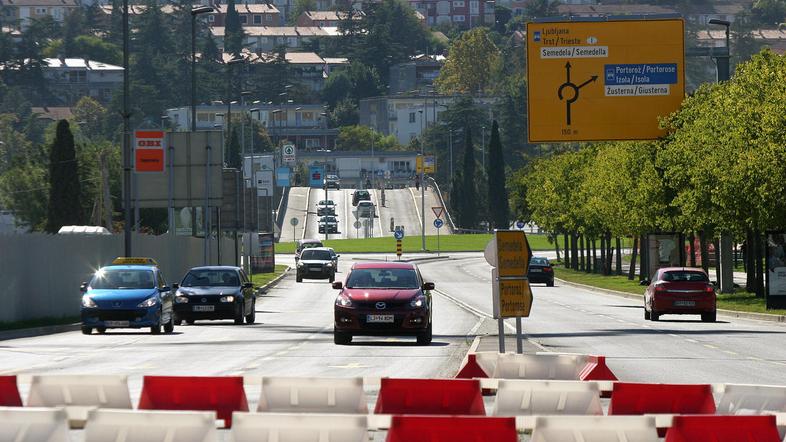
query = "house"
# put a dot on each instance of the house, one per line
(266, 39)
(323, 19)
(605, 10)
(73, 78)
(417, 74)
(775, 39)
(464, 13)
(19, 13)
(260, 14)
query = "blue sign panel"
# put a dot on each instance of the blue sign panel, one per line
(316, 176)
(520, 224)
(398, 234)
(438, 223)
(282, 177)
(637, 74)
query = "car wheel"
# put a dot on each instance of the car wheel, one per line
(101, 330)
(332, 277)
(341, 338)
(550, 284)
(252, 317)
(646, 314)
(425, 337)
(156, 329)
(190, 321)
(654, 316)
(299, 278)
(87, 330)
(178, 321)
(169, 327)
(239, 314)
(709, 317)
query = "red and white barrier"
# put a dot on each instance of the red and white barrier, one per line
(594, 428)
(723, 429)
(9, 392)
(542, 366)
(253, 427)
(33, 424)
(79, 394)
(313, 395)
(751, 399)
(638, 399)
(529, 397)
(451, 429)
(430, 397)
(105, 425)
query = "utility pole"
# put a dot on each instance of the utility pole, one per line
(126, 141)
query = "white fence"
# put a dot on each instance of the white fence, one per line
(40, 273)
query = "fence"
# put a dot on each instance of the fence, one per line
(40, 273)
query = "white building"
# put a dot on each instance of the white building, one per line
(70, 79)
(19, 13)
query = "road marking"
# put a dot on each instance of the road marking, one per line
(351, 365)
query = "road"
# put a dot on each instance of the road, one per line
(345, 213)
(297, 206)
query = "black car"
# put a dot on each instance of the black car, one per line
(328, 224)
(217, 292)
(540, 271)
(360, 195)
(332, 182)
(316, 263)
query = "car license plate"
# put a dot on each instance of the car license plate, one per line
(116, 323)
(380, 318)
(204, 308)
(684, 303)
(314, 270)
(536, 270)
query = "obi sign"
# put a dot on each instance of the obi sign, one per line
(608, 80)
(149, 151)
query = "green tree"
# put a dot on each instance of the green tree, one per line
(468, 214)
(769, 12)
(345, 113)
(497, 192)
(234, 159)
(65, 203)
(300, 7)
(541, 8)
(471, 64)
(363, 138)
(233, 32)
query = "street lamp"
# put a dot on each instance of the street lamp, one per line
(194, 13)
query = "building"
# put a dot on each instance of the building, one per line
(253, 14)
(775, 39)
(418, 74)
(266, 39)
(464, 13)
(323, 19)
(351, 165)
(73, 78)
(302, 124)
(19, 13)
(305, 68)
(605, 10)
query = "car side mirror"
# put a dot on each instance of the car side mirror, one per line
(428, 286)
(338, 256)
(175, 286)
(83, 287)
(248, 285)
(165, 288)
(338, 285)
(644, 282)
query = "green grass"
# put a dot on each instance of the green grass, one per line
(742, 301)
(260, 279)
(412, 244)
(40, 322)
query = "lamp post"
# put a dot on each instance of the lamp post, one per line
(194, 13)
(422, 186)
(126, 135)
(254, 199)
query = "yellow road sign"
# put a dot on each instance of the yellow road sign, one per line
(512, 297)
(512, 254)
(427, 163)
(607, 80)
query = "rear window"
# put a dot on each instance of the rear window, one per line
(316, 255)
(362, 193)
(539, 261)
(685, 275)
(309, 245)
(326, 203)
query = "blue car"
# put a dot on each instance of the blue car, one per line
(130, 293)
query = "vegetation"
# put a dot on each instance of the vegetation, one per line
(260, 279)
(412, 244)
(65, 192)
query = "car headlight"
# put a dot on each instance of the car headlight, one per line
(330, 264)
(149, 302)
(227, 299)
(343, 301)
(418, 302)
(181, 299)
(300, 264)
(88, 302)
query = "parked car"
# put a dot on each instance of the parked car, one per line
(383, 299)
(326, 207)
(328, 224)
(216, 292)
(303, 244)
(540, 271)
(680, 291)
(366, 209)
(360, 195)
(315, 263)
(332, 182)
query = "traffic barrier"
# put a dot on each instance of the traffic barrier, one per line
(313, 395)
(79, 393)
(478, 365)
(594, 428)
(541, 366)
(9, 392)
(634, 399)
(104, 425)
(723, 429)
(252, 427)
(220, 394)
(451, 429)
(596, 370)
(430, 396)
(527, 397)
(752, 399)
(33, 424)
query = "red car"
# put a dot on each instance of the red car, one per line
(383, 299)
(679, 291)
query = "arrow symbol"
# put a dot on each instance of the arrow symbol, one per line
(567, 71)
(591, 80)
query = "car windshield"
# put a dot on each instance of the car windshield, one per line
(539, 261)
(316, 255)
(383, 279)
(120, 279)
(685, 275)
(328, 219)
(326, 203)
(211, 278)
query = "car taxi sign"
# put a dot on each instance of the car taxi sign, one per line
(134, 261)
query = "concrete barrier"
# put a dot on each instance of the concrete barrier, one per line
(150, 426)
(313, 395)
(527, 397)
(33, 424)
(252, 427)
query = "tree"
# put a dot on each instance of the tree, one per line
(234, 160)
(497, 192)
(472, 59)
(468, 216)
(541, 8)
(769, 12)
(300, 7)
(363, 138)
(345, 113)
(65, 203)
(233, 31)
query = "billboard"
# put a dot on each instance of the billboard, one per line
(316, 176)
(603, 80)
(264, 182)
(282, 177)
(427, 163)
(149, 148)
(259, 162)
(776, 269)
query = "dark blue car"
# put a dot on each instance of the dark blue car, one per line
(130, 293)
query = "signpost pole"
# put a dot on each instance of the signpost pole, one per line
(519, 337)
(438, 247)
(501, 334)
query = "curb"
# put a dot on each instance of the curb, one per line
(263, 289)
(727, 313)
(38, 331)
(425, 258)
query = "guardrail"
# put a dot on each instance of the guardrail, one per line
(451, 224)
(280, 212)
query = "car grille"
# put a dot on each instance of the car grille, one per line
(120, 315)
(315, 266)
(389, 305)
(209, 299)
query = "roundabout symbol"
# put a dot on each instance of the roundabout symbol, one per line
(571, 97)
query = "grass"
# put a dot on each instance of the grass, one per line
(411, 244)
(741, 301)
(39, 322)
(260, 279)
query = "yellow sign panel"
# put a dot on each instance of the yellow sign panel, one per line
(515, 298)
(513, 253)
(428, 162)
(609, 80)
(134, 261)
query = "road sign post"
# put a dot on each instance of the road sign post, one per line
(399, 235)
(509, 254)
(294, 222)
(438, 223)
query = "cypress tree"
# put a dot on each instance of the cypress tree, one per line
(456, 197)
(468, 214)
(233, 151)
(233, 32)
(65, 202)
(498, 194)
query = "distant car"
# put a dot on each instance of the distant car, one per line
(332, 182)
(316, 263)
(303, 244)
(366, 209)
(360, 195)
(326, 207)
(328, 224)
(383, 299)
(217, 292)
(540, 271)
(335, 257)
(680, 291)
(130, 293)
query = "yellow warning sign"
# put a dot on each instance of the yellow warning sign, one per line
(608, 80)
(513, 253)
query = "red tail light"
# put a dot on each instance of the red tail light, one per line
(709, 289)
(547, 269)
(660, 288)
